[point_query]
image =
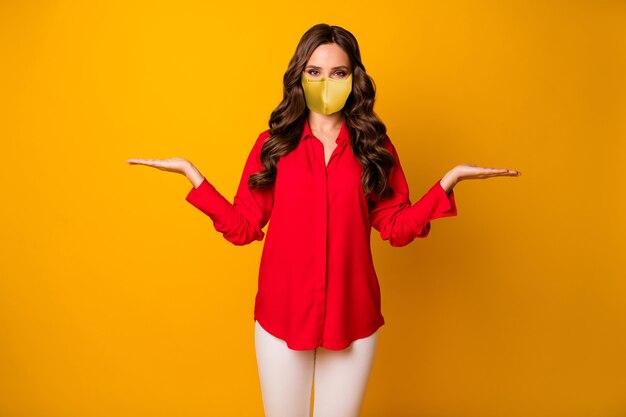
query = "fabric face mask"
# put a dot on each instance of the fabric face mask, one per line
(327, 95)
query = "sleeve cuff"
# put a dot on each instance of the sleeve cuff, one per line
(444, 203)
(434, 204)
(208, 199)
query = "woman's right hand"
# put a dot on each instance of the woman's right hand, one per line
(178, 165)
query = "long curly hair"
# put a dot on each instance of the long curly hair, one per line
(367, 131)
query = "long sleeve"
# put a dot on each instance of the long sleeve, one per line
(396, 219)
(242, 221)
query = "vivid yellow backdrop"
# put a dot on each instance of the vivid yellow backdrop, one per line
(118, 298)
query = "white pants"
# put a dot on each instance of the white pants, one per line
(338, 378)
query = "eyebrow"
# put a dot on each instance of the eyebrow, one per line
(316, 67)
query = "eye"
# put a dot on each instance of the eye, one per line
(315, 73)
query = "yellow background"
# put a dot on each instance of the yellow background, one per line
(118, 298)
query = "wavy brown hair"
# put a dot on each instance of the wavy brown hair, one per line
(367, 131)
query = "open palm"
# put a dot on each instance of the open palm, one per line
(470, 171)
(178, 165)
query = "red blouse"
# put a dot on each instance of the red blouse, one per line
(317, 285)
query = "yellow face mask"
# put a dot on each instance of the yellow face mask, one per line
(327, 95)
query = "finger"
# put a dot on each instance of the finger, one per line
(507, 172)
(493, 170)
(137, 160)
(486, 172)
(512, 172)
(149, 162)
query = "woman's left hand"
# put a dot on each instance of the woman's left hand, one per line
(469, 171)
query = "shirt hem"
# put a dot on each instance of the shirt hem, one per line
(340, 346)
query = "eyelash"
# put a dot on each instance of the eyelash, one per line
(343, 72)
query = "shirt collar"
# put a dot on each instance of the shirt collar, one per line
(341, 139)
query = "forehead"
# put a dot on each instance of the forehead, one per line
(329, 55)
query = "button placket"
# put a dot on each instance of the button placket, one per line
(323, 239)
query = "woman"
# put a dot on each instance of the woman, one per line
(326, 172)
